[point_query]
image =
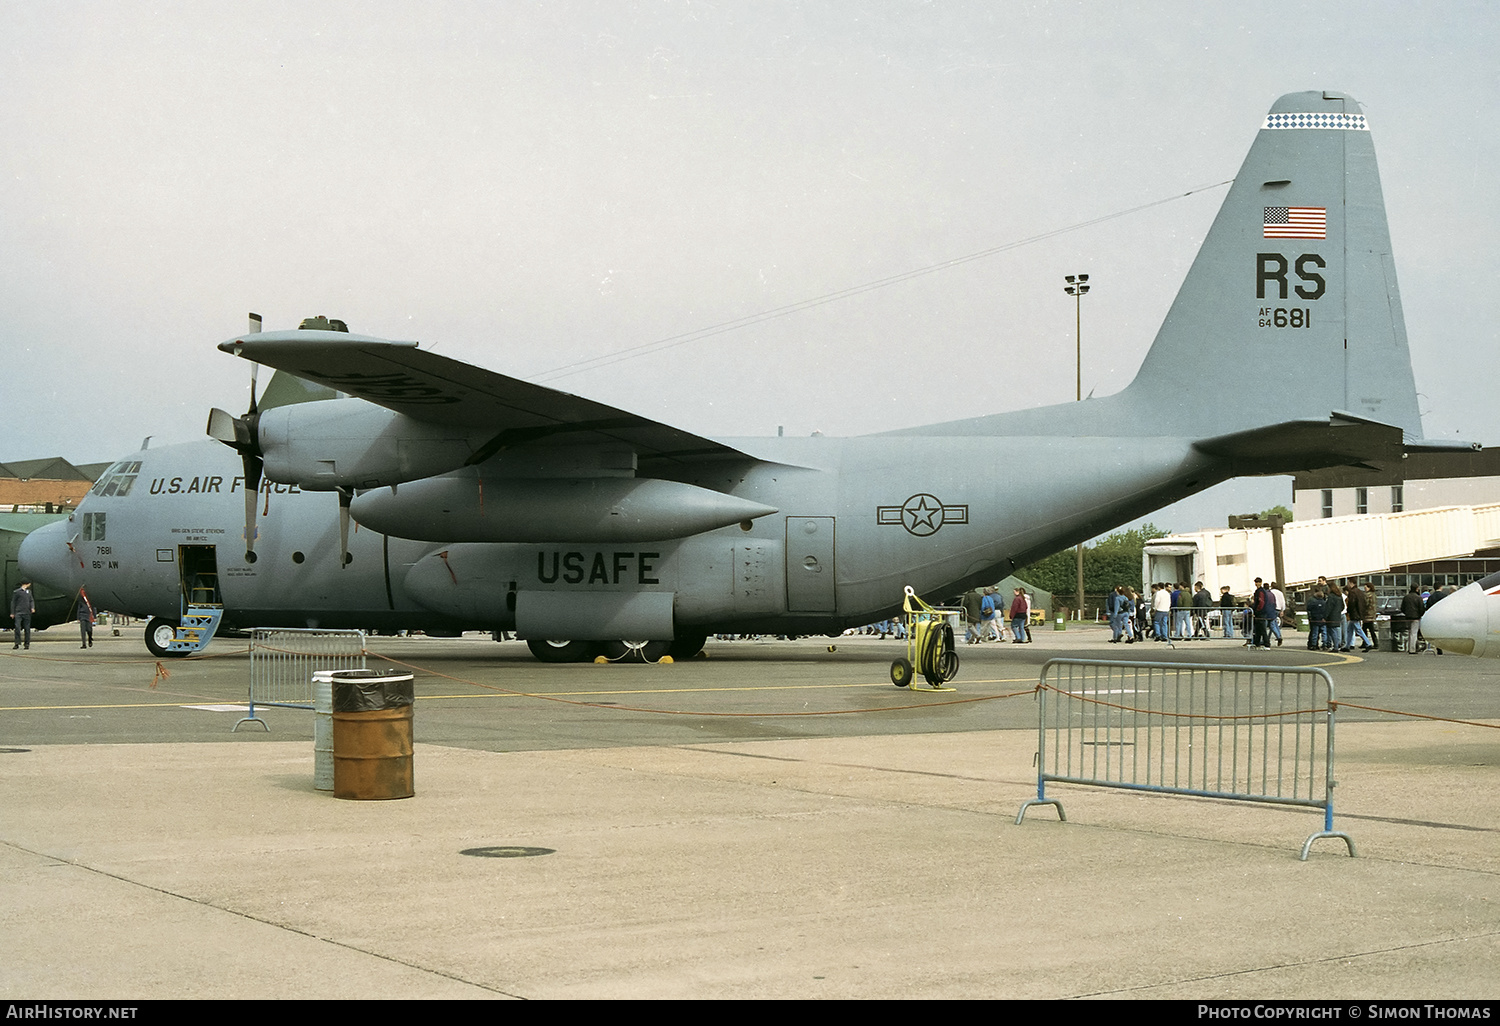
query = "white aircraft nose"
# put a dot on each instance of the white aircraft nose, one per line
(46, 559)
(1459, 622)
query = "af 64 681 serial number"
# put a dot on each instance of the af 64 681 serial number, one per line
(1285, 317)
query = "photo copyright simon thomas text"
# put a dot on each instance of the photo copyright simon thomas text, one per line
(1377, 1010)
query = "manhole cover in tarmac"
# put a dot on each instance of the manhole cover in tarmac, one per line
(507, 851)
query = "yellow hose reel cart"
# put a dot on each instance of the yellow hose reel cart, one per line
(930, 650)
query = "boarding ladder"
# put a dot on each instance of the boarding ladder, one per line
(197, 629)
(200, 618)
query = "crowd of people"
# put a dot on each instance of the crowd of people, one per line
(1172, 612)
(1337, 617)
(986, 615)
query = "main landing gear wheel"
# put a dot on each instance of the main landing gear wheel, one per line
(160, 633)
(685, 646)
(561, 651)
(636, 651)
(902, 673)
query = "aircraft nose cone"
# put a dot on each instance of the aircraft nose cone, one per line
(1459, 622)
(46, 559)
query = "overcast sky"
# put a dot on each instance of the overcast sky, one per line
(529, 186)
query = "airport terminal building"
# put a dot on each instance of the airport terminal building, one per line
(1437, 525)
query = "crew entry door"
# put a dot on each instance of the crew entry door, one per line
(199, 566)
(809, 565)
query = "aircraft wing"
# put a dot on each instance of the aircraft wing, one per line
(428, 387)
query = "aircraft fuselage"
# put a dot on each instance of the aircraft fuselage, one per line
(856, 520)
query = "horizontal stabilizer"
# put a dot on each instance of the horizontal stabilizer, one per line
(1300, 445)
(1427, 461)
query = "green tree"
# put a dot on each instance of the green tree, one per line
(1285, 513)
(1112, 560)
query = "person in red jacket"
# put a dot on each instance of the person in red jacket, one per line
(1018, 617)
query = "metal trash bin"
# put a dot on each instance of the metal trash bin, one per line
(372, 735)
(1398, 634)
(322, 689)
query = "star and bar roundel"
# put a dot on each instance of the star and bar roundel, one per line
(921, 515)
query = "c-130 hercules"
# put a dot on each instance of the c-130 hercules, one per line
(491, 503)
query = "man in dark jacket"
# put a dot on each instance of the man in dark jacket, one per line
(1202, 603)
(1227, 610)
(1357, 610)
(22, 605)
(1411, 612)
(972, 601)
(1315, 621)
(1264, 604)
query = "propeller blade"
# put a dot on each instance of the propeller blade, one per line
(253, 465)
(225, 427)
(241, 435)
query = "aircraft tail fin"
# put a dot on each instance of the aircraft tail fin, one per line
(1291, 309)
(1289, 313)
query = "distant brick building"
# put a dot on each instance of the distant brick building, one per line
(45, 486)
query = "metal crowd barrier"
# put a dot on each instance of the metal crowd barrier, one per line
(284, 659)
(1240, 619)
(1253, 733)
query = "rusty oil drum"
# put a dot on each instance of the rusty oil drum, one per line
(372, 735)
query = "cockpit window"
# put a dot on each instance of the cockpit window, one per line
(118, 479)
(106, 479)
(1490, 582)
(93, 527)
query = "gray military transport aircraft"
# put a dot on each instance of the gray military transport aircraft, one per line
(485, 502)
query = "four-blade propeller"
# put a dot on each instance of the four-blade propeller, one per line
(240, 434)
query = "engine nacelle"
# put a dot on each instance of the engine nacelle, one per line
(349, 443)
(464, 508)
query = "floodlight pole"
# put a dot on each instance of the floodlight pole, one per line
(1077, 287)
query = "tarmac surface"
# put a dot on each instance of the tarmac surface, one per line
(773, 821)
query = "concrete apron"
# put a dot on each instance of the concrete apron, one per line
(831, 867)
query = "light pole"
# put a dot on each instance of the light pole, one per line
(1078, 287)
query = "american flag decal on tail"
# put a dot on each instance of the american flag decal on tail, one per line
(1296, 223)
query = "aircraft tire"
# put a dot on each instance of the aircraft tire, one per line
(561, 651)
(685, 646)
(636, 651)
(159, 634)
(902, 673)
